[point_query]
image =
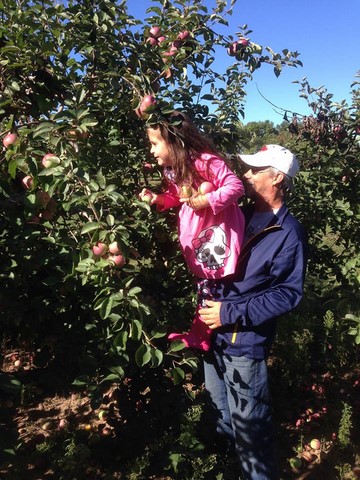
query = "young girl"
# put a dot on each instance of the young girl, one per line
(210, 225)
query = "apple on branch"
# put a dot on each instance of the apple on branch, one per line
(99, 249)
(183, 35)
(28, 182)
(114, 248)
(42, 198)
(155, 31)
(10, 139)
(50, 160)
(117, 260)
(146, 102)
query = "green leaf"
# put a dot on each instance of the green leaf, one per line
(110, 220)
(112, 377)
(121, 339)
(106, 307)
(136, 330)
(156, 357)
(178, 375)
(176, 346)
(142, 355)
(134, 291)
(90, 227)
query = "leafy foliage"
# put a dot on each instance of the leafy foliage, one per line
(73, 76)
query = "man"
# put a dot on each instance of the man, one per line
(269, 283)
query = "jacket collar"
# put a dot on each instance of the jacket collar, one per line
(277, 219)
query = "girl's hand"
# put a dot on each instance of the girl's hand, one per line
(148, 196)
(196, 202)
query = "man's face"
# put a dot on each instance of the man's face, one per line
(258, 182)
(159, 148)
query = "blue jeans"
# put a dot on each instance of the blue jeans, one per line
(239, 395)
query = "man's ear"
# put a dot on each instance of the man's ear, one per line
(278, 178)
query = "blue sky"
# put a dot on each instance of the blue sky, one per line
(326, 33)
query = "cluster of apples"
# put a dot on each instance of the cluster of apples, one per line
(156, 38)
(110, 252)
(309, 454)
(187, 191)
(238, 46)
(48, 161)
(43, 200)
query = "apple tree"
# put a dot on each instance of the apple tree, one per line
(91, 277)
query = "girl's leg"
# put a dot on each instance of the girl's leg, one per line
(199, 335)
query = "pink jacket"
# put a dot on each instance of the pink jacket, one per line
(211, 238)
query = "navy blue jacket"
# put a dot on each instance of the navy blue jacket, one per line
(268, 284)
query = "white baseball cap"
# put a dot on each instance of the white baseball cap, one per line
(273, 156)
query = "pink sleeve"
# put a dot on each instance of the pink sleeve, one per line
(229, 187)
(171, 197)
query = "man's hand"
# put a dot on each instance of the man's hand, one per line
(211, 314)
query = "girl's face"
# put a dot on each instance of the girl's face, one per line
(159, 148)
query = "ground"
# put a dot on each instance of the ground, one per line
(53, 436)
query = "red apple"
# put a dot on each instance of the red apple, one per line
(183, 35)
(51, 205)
(28, 182)
(46, 215)
(244, 42)
(63, 423)
(34, 219)
(206, 187)
(118, 260)
(50, 160)
(42, 198)
(177, 43)
(114, 248)
(152, 41)
(79, 134)
(232, 49)
(138, 112)
(9, 139)
(161, 39)
(99, 249)
(148, 167)
(147, 101)
(155, 31)
(171, 52)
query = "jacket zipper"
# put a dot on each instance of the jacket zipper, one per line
(244, 251)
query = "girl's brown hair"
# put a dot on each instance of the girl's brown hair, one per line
(185, 143)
